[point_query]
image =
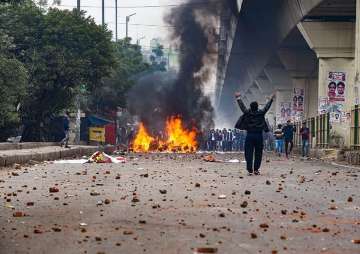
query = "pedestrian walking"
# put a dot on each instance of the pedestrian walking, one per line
(279, 139)
(253, 121)
(305, 137)
(288, 131)
(66, 122)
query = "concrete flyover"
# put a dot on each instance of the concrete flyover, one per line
(259, 30)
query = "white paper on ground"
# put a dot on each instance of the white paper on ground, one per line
(81, 161)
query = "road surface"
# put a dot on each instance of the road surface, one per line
(179, 203)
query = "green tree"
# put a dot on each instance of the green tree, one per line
(13, 78)
(61, 50)
(112, 93)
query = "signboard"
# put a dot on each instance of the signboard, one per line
(97, 134)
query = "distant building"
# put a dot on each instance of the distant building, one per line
(170, 55)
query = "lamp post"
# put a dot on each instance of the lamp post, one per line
(127, 23)
(103, 12)
(116, 20)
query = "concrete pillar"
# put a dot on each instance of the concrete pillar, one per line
(334, 44)
(357, 54)
(301, 64)
(311, 101)
(283, 105)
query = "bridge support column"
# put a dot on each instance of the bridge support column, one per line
(283, 104)
(357, 54)
(334, 43)
(310, 98)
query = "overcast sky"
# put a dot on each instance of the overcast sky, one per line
(147, 22)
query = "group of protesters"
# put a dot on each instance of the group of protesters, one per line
(279, 140)
(225, 140)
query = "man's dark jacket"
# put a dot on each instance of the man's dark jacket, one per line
(253, 121)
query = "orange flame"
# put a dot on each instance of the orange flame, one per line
(177, 138)
(142, 140)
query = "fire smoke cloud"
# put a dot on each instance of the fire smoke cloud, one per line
(158, 96)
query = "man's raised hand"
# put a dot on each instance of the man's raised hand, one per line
(237, 95)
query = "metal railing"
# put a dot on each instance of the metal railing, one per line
(323, 130)
(319, 127)
(355, 128)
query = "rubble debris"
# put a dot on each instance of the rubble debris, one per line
(253, 236)
(205, 250)
(53, 189)
(244, 204)
(18, 214)
(210, 158)
(97, 157)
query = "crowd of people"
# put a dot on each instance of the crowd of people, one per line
(280, 140)
(231, 140)
(225, 140)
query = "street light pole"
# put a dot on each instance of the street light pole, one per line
(103, 12)
(127, 23)
(78, 5)
(116, 20)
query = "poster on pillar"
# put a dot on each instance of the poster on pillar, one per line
(285, 111)
(323, 105)
(298, 104)
(336, 84)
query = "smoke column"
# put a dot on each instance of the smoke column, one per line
(158, 96)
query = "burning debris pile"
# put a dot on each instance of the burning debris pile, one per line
(162, 100)
(176, 139)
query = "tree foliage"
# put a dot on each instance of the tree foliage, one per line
(112, 93)
(61, 50)
(13, 77)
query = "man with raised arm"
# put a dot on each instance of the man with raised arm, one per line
(253, 121)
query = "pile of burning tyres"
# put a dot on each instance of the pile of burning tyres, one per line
(176, 138)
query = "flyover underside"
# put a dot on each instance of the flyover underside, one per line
(261, 28)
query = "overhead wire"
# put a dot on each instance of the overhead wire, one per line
(140, 6)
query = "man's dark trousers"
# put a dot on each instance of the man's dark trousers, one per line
(253, 144)
(287, 142)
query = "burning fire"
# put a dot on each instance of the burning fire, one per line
(177, 138)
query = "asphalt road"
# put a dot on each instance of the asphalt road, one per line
(178, 203)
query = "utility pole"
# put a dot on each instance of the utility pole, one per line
(116, 20)
(127, 24)
(77, 101)
(103, 12)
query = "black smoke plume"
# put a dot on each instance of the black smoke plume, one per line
(157, 96)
